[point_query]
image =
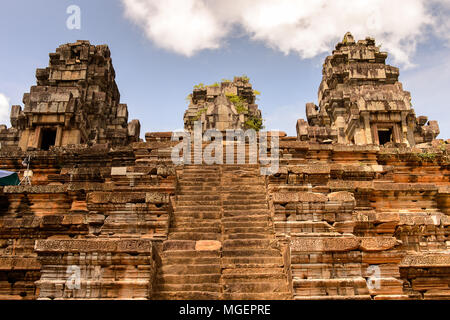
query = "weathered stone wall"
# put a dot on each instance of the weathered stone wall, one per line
(349, 212)
(98, 269)
(84, 196)
(340, 211)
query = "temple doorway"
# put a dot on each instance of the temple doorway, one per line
(48, 138)
(384, 135)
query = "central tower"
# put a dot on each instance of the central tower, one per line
(225, 105)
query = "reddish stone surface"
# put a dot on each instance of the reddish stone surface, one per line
(337, 221)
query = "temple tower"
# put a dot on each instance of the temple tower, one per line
(228, 105)
(362, 102)
(75, 101)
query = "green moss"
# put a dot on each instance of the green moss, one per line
(215, 84)
(199, 114)
(256, 93)
(239, 102)
(427, 156)
(254, 123)
(241, 109)
(199, 86)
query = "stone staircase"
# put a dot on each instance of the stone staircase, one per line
(221, 243)
(251, 259)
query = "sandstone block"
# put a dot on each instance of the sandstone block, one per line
(208, 245)
(325, 244)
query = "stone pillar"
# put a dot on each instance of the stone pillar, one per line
(404, 129)
(367, 128)
(59, 134)
(34, 143)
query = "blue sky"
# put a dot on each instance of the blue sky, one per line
(159, 58)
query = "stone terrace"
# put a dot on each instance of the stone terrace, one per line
(140, 227)
(109, 216)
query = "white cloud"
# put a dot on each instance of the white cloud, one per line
(304, 27)
(185, 26)
(4, 109)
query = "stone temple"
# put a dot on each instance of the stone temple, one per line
(362, 102)
(358, 209)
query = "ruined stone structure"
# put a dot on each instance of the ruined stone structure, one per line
(362, 102)
(75, 101)
(228, 105)
(337, 221)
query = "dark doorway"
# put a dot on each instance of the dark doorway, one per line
(48, 138)
(384, 136)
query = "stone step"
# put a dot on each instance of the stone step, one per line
(201, 167)
(198, 203)
(243, 206)
(192, 184)
(240, 197)
(251, 253)
(249, 219)
(190, 260)
(186, 222)
(183, 278)
(198, 178)
(186, 295)
(252, 262)
(335, 297)
(257, 296)
(245, 188)
(252, 272)
(245, 243)
(194, 228)
(179, 208)
(234, 167)
(198, 194)
(178, 287)
(198, 215)
(243, 176)
(237, 236)
(243, 202)
(263, 274)
(191, 269)
(191, 254)
(261, 228)
(256, 287)
(194, 236)
(201, 173)
(235, 213)
(198, 197)
(199, 189)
